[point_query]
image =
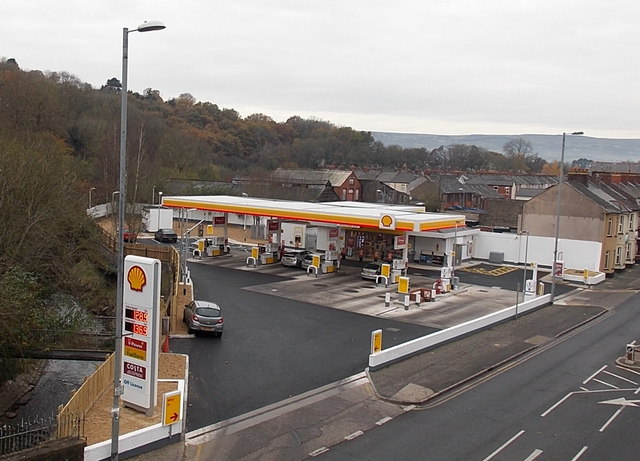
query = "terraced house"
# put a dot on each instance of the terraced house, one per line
(591, 210)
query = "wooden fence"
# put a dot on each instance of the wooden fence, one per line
(82, 399)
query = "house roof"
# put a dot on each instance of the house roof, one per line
(620, 167)
(537, 181)
(604, 196)
(299, 176)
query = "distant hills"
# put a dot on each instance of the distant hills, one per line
(548, 147)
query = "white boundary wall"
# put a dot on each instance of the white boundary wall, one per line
(141, 437)
(387, 356)
(577, 254)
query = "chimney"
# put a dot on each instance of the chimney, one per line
(580, 175)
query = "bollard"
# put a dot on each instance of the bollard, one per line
(406, 302)
(387, 299)
(418, 299)
(631, 352)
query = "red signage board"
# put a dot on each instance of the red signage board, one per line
(137, 371)
(218, 220)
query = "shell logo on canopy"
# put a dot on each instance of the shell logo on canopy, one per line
(387, 221)
(137, 278)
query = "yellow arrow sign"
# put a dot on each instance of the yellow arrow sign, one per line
(171, 407)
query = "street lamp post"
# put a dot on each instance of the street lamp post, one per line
(153, 196)
(117, 388)
(555, 247)
(90, 190)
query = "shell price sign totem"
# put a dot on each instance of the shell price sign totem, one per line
(140, 332)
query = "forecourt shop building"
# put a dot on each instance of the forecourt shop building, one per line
(359, 229)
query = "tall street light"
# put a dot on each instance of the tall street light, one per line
(122, 199)
(555, 247)
(90, 190)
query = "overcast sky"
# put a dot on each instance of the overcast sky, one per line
(408, 66)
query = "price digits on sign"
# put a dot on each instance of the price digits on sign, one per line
(136, 328)
(138, 316)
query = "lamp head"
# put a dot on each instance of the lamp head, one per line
(149, 26)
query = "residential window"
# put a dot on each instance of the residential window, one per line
(351, 181)
(609, 226)
(357, 197)
(620, 224)
(618, 255)
(607, 255)
(631, 222)
(344, 194)
(628, 256)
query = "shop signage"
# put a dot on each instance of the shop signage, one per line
(141, 331)
(387, 221)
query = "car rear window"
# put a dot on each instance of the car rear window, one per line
(208, 312)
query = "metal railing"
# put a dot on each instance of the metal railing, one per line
(31, 433)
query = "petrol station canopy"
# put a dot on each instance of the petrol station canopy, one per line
(397, 218)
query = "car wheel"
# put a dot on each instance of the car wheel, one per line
(189, 330)
(218, 335)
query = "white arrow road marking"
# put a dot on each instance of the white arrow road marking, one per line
(622, 401)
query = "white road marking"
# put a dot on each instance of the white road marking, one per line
(622, 402)
(534, 455)
(579, 454)
(620, 377)
(384, 420)
(319, 451)
(584, 389)
(627, 369)
(614, 416)
(553, 407)
(606, 384)
(590, 377)
(354, 435)
(504, 445)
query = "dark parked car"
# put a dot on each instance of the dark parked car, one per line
(203, 316)
(293, 258)
(166, 235)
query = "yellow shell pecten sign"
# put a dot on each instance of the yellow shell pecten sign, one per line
(387, 222)
(137, 278)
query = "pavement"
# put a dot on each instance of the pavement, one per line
(308, 425)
